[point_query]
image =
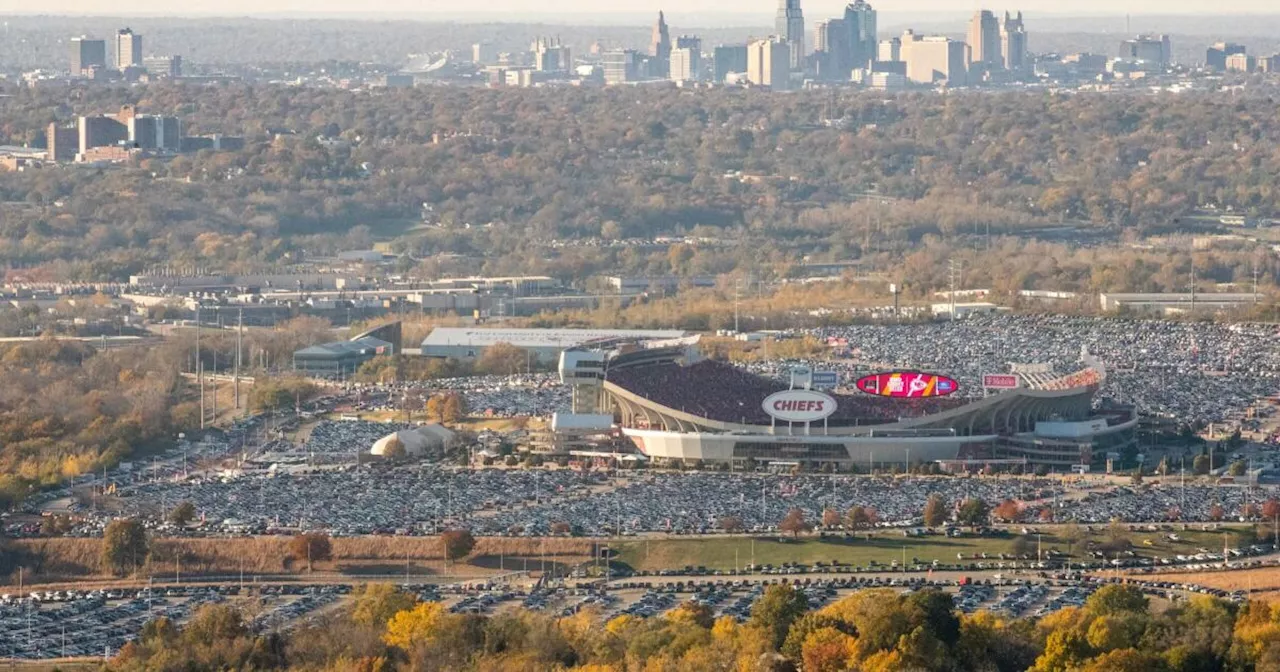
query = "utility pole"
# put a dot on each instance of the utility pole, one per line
(1193, 285)
(1255, 282)
(953, 271)
(239, 350)
(199, 367)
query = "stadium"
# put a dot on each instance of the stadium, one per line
(676, 406)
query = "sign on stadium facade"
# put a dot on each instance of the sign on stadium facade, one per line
(825, 379)
(907, 385)
(799, 406)
(1000, 381)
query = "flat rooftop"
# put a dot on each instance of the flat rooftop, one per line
(534, 338)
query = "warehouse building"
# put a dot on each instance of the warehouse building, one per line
(544, 345)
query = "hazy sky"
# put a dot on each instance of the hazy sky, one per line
(515, 9)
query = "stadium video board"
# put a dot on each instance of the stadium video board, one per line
(907, 385)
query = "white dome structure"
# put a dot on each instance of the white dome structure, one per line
(419, 441)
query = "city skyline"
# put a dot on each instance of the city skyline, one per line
(514, 10)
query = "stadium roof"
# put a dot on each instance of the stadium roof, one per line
(534, 338)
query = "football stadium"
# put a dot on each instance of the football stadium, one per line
(675, 405)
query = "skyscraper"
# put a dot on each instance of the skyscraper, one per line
(790, 27)
(1216, 56)
(860, 22)
(832, 44)
(729, 58)
(686, 59)
(661, 47)
(1149, 48)
(1013, 42)
(87, 54)
(934, 60)
(984, 40)
(128, 49)
(769, 63)
(620, 66)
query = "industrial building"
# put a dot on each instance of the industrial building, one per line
(342, 358)
(1177, 302)
(544, 345)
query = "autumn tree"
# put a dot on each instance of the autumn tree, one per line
(376, 603)
(503, 359)
(860, 518)
(731, 524)
(458, 544)
(935, 511)
(394, 449)
(1008, 511)
(776, 610)
(124, 546)
(311, 547)
(830, 518)
(795, 523)
(416, 625)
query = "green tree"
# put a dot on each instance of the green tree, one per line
(124, 546)
(182, 514)
(1200, 465)
(974, 512)
(776, 610)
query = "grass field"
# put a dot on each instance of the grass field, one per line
(884, 548)
(1263, 583)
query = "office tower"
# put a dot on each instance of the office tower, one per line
(689, 42)
(163, 66)
(984, 40)
(620, 66)
(686, 64)
(128, 49)
(860, 22)
(101, 131)
(686, 59)
(1241, 63)
(729, 58)
(1013, 42)
(150, 131)
(1149, 48)
(660, 49)
(890, 50)
(1216, 56)
(790, 27)
(87, 54)
(831, 41)
(935, 60)
(769, 63)
(484, 53)
(550, 55)
(62, 142)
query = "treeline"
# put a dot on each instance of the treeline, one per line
(879, 630)
(66, 409)
(758, 177)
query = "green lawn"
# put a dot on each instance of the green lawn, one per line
(883, 548)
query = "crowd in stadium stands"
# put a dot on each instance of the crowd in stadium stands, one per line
(726, 393)
(1193, 372)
